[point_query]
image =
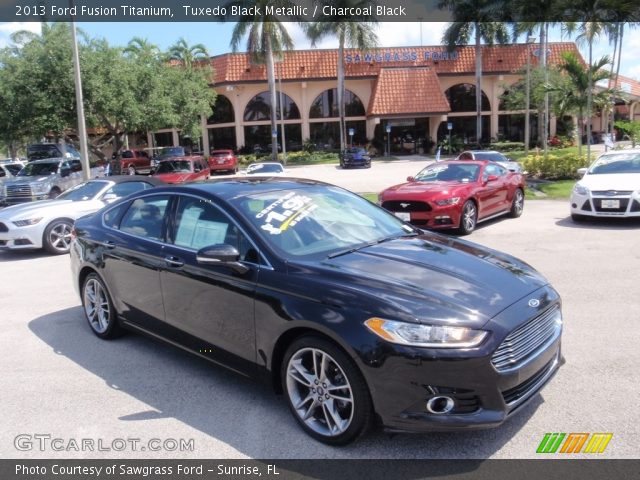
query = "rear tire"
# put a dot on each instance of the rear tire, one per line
(517, 206)
(56, 238)
(98, 308)
(326, 392)
(468, 218)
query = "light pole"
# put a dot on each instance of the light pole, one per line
(82, 129)
(527, 128)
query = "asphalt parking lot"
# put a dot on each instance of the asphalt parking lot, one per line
(58, 379)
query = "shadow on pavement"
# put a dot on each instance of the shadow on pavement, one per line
(600, 223)
(237, 411)
(20, 255)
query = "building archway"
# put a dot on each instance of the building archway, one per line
(462, 98)
(259, 108)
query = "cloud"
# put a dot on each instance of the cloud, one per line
(7, 28)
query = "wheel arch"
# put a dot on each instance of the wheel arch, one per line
(50, 222)
(287, 337)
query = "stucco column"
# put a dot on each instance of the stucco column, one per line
(371, 127)
(175, 137)
(205, 135)
(238, 116)
(150, 142)
(306, 129)
(434, 123)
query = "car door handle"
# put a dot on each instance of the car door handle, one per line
(108, 244)
(173, 261)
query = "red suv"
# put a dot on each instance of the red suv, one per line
(130, 162)
(223, 160)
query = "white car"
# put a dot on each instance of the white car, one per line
(47, 223)
(264, 169)
(610, 187)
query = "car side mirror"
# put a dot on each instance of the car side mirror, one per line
(492, 178)
(411, 179)
(109, 198)
(582, 171)
(221, 254)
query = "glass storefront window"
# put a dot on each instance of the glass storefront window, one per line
(462, 98)
(163, 139)
(257, 138)
(222, 138)
(259, 108)
(222, 111)
(326, 105)
(326, 135)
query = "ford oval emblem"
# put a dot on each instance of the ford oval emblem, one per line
(534, 302)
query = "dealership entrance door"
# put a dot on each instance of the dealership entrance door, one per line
(407, 136)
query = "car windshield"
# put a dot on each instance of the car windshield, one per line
(618, 163)
(172, 151)
(449, 172)
(264, 168)
(84, 191)
(39, 152)
(174, 166)
(319, 221)
(13, 169)
(37, 169)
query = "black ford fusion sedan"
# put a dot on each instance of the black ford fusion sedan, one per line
(357, 317)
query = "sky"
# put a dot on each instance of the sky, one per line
(216, 36)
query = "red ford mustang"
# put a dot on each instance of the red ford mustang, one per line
(456, 194)
(182, 169)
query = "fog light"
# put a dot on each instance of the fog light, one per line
(440, 405)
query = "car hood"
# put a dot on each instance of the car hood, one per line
(412, 188)
(174, 177)
(29, 179)
(49, 208)
(432, 279)
(612, 181)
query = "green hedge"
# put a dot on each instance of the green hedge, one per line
(507, 146)
(293, 158)
(554, 167)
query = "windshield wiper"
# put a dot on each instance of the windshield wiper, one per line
(371, 244)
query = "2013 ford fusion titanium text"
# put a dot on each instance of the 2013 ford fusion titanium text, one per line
(358, 318)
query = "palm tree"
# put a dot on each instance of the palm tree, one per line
(266, 36)
(357, 32)
(141, 47)
(186, 54)
(475, 17)
(575, 89)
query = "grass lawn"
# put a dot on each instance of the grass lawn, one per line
(372, 197)
(554, 190)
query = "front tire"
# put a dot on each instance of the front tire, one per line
(468, 218)
(98, 308)
(325, 391)
(57, 236)
(578, 218)
(131, 170)
(55, 191)
(517, 206)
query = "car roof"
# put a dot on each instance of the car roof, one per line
(228, 188)
(128, 178)
(51, 160)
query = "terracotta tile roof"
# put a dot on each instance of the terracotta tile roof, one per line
(321, 64)
(407, 91)
(628, 85)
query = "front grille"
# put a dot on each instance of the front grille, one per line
(610, 193)
(587, 206)
(525, 340)
(23, 190)
(3, 228)
(522, 390)
(408, 206)
(597, 204)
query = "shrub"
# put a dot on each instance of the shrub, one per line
(554, 167)
(507, 146)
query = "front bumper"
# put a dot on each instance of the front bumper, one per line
(437, 218)
(606, 204)
(20, 238)
(402, 379)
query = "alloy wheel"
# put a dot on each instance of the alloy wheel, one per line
(320, 392)
(469, 217)
(96, 306)
(59, 237)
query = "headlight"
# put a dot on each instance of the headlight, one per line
(39, 188)
(434, 336)
(448, 201)
(580, 189)
(26, 223)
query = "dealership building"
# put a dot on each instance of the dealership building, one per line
(418, 94)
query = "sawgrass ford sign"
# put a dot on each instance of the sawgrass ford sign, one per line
(408, 56)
